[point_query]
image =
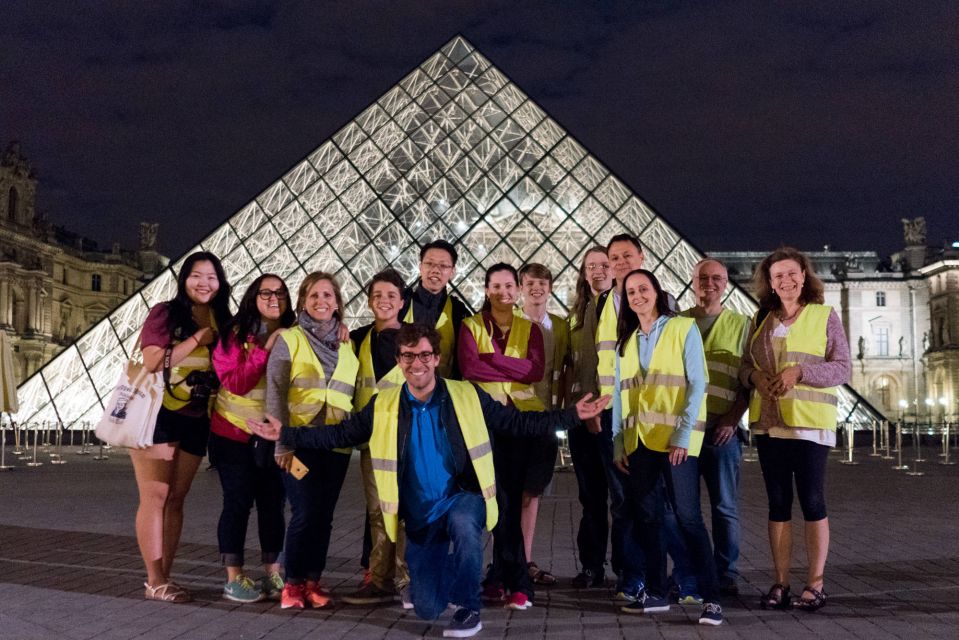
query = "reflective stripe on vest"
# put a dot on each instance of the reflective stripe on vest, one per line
(366, 383)
(383, 449)
(197, 360)
(523, 395)
(309, 391)
(444, 326)
(238, 409)
(803, 406)
(653, 404)
(724, 352)
(606, 347)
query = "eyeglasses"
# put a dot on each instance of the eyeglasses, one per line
(408, 357)
(439, 266)
(597, 266)
(266, 294)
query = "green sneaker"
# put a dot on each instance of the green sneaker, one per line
(272, 586)
(242, 590)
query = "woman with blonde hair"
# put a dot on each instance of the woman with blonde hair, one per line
(310, 381)
(796, 357)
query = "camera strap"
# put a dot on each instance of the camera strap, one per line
(167, 369)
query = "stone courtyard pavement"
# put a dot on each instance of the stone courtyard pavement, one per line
(69, 566)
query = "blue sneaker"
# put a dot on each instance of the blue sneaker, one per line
(647, 604)
(712, 614)
(242, 590)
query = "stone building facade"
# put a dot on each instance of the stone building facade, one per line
(901, 317)
(54, 283)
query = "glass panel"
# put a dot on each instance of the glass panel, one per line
(290, 219)
(470, 99)
(129, 317)
(433, 100)
(487, 153)
(483, 195)
(436, 66)
(357, 197)
(548, 133)
(372, 119)
(375, 218)
(222, 241)
(325, 157)
(316, 198)
(341, 176)
(388, 136)
(365, 156)
(417, 218)
(274, 198)
(349, 138)
(306, 241)
(526, 153)
(445, 155)
(591, 215)
(248, 220)
(300, 177)
(468, 135)
(457, 49)
(473, 65)
(393, 100)
(450, 117)
(590, 173)
(428, 136)
(382, 176)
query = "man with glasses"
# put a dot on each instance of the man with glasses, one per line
(429, 302)
(433, 465)
(725, 333)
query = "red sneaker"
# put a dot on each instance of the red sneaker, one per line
(317, 596)
(293, 596)
(519, 601)
(493, 594)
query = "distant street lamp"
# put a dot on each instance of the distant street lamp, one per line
(903, 405)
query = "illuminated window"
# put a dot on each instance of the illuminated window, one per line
(880, 298)
(883, 389)
(882, 341)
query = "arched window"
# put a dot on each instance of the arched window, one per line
(95, 282)
(13, 202)
(883, 390)
(880, 298)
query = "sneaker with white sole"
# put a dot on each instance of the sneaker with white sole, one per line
(647, 604)
(272, 586)
(369, 594)
(464, 624)
(242, 590)
(712, 614)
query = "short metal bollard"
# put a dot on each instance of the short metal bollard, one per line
(84, 439)
(898, 449)
(849, 434)
(17, 449)
(917, 444)
(57, 458)
(101, 455)
(749, 455)
(945, 446)
(3, 447)
(875, 442)
(887, 455)
(22, 450)
(36, 439)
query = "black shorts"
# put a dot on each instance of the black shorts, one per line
(541, 462)
(192, 432)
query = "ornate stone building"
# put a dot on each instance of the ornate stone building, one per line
(901, 317)
(54, 284)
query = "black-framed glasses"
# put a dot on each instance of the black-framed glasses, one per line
(266, 294)
(408, 356)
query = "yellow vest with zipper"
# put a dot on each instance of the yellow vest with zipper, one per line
(309, 391)
(654, 403)
(606, 346)
(444, 326)
(383, 449)
(724, 352)
(198, 360)
(802, 406)
(366, 383)
(523, 395)
(238, 409)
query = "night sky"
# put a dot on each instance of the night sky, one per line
(745, 124)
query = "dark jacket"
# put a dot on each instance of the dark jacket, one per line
(358, 429)
(414, 296)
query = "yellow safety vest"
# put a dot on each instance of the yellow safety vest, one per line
(383, 446)
(803, 406)
(238, 409)
(444, 326)
(523, 395)
(724, 351)
(198, 360)
(652, 404)
(561, 351)
(366, 383)
(606, 346)
(309, 391)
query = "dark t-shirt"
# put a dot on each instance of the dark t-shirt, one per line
(155, 332)
(382, 348)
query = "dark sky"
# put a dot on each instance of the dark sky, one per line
(745, 124)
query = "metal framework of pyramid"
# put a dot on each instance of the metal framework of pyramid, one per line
(454, 151)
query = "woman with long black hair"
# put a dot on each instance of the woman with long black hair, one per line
(248, 473)
(177, 336)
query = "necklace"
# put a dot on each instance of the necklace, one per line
(784, 319)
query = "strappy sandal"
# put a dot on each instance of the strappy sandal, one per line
(774, 600)
(167, 592)
(539, 576)
(817, 602)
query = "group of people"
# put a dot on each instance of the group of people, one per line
(455, 416)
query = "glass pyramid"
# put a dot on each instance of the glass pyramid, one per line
(456, 151)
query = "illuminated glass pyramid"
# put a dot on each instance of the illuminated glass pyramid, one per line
(454, 151)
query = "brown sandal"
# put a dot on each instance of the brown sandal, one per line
(539, 576)
(774, 600)
(818, 600)
(167, 592)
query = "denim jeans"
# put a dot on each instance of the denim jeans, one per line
(245, 484)
(619, 511)
(683, 494)
(593, 534)
(644, 552)
(438, 577)
(312, 502)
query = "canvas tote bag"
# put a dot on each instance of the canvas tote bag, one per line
(131, 412)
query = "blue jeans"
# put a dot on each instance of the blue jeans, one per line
(438, 577)
(619, 511)
(682, 483)
(644, 549)
(719, 468)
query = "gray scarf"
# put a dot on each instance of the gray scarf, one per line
(324, 338)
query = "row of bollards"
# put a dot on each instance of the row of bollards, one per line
(48, 438)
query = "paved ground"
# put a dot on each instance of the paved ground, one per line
(69, 566)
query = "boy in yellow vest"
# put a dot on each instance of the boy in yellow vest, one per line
(433, 464)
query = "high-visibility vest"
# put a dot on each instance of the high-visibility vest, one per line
(366, 383)
(444, 326)
(802, 406)
(724, 351)
(523, 395)
(606, 346)
(560, 338)
(309, 391)
(197, 360)
(383, 447)
(237, 409)
(652, 404)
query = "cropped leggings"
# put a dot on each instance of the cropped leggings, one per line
(782, 460)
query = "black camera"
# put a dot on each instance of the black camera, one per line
(203, 386)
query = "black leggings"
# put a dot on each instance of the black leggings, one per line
(782, 459)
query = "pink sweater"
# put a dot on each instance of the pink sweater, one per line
(239, 371)
(496, 367)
